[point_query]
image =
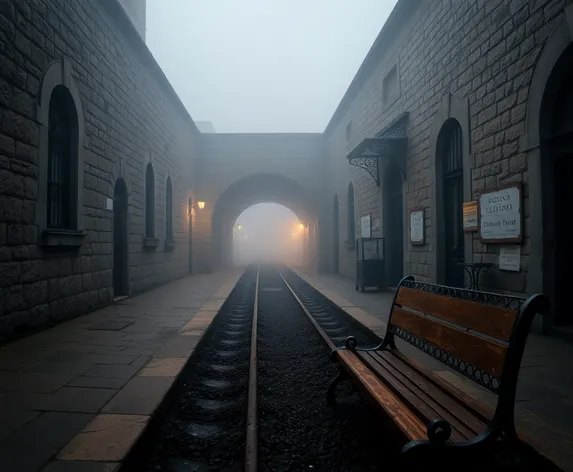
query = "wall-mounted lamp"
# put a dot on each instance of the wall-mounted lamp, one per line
(199, 205)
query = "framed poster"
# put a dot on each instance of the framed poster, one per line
(417, 226)
(500, 215)
(471, 216)
(510, 258)
(365, 226)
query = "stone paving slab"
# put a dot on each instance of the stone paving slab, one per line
(77, 396)
(544, 403)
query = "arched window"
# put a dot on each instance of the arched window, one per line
(62, 161)
(351, 223)
(450, 153)
(169, 210)
(149, 202)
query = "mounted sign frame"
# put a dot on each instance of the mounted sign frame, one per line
(365, 227)
(417, 223)
(500, 215)
(471, 220)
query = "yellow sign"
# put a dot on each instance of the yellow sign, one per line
(471, 216)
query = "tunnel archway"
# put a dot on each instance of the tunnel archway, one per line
(249, 191)
(268, 233)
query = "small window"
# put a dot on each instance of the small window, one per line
(351, 223)
(149, 202)
(62, 160)
(349, 131)
(169, 211)
(390, 87)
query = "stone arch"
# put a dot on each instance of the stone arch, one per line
(59, 74)
(555, 46)
(119, 170)
(457, 108)
(543, 262)
(246, 192)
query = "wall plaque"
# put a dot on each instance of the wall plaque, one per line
(500, 215)
(417, 226)
(510, 258)
(471, 216)
(365, 226)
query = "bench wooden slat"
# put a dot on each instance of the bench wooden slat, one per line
(416, 400)
(491, 320)
(440, 395)
(486, 355)
(480, 410)
(407, 422)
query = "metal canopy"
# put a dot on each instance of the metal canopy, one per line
(388, 144)
(367, 153)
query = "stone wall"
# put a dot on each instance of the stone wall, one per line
(469, 60)
(130, 116)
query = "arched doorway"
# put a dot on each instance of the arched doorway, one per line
(556, 132)
(190, 255)
(120, 240)
(451, 175)
(393, 225)
(335, 238)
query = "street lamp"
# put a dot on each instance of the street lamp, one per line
(198, 204)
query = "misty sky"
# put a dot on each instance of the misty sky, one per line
(263, 65)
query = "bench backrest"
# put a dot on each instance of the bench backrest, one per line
(481, 335)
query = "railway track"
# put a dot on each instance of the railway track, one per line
(253, 395)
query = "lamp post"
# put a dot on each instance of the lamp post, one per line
(198, 204)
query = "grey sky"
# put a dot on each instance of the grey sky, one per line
(263, 65)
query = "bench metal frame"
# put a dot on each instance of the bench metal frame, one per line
(501, 428)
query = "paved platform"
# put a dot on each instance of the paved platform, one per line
(544, 410)
(77, 396)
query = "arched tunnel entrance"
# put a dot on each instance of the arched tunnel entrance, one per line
(269, 233)
(262, 188)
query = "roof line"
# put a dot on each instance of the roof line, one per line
(399, 16)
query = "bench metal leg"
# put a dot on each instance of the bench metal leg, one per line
(438, 449)
(330, 399)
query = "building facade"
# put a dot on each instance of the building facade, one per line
(102, 168)
(96, 154)
(479, 95)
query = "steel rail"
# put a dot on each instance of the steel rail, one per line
(251, 449)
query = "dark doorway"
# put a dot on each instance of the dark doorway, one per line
(190, 257)
(120, 240)
(335, 238)
(450, 156)
(393, 226)
(557, 167)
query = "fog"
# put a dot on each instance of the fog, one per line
(268, 232)
(263, 65)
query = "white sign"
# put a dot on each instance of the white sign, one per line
(510, 258)
(109, 204)
(417, 226)
(500, 215)
(365, 226)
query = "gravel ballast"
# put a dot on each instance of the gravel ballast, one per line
(297, 429)
(203, 425)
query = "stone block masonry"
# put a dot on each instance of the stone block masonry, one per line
(477, 56)
(130, 116)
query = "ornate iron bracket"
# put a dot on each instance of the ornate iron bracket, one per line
(389, 144)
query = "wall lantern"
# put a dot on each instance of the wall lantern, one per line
(199, 205)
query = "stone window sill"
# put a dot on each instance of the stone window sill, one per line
(169, 244)
(62, 238)
(150, 243)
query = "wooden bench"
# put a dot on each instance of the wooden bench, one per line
(480, 335)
